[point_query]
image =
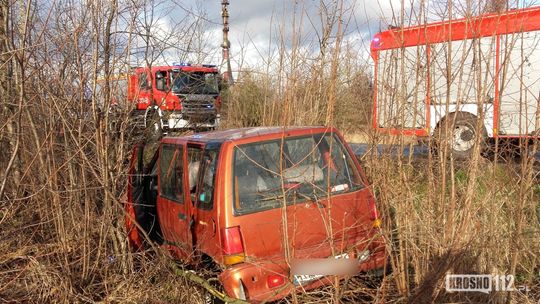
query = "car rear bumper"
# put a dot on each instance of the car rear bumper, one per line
(251, 279)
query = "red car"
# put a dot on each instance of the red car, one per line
(274, 209)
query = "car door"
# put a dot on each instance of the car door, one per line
(205, 214)
(133, 196)
(174, 213)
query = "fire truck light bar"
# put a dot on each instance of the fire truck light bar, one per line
(181, 64)
(376, 42)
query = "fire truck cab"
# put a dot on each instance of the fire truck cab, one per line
(181, 96)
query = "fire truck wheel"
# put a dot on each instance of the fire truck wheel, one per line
(460, 138)
(153, 130)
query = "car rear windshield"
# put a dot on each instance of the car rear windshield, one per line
(296, 169)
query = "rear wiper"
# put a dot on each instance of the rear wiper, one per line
(269, 198)
(315, 200)
(278, 196)
(302, 195)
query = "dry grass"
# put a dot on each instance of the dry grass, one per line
(61, 218)
(475, 235)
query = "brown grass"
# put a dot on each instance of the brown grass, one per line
(61, 218)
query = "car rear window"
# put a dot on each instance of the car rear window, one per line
(270, 173)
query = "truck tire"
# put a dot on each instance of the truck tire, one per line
(153, 130)
(460, 138)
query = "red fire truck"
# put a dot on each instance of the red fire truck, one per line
(180, 96)
(480, 76)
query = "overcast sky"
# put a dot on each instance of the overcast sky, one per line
(257, 26)
(253, 21)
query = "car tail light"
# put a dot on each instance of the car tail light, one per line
(233, 249)
(275, 280)
(373, 214)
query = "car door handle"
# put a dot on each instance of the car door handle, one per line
(182, 216)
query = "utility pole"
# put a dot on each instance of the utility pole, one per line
(226, 45)
(497, 6)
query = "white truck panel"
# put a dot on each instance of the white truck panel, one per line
(520, 83)
(402, 88)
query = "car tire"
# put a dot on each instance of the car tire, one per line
(209, 298)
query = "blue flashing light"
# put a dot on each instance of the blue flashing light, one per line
(182, 64)
(376, 42)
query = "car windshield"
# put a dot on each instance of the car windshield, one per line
(297, 169)
(194, 82)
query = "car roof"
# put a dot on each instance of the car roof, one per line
(243, 133)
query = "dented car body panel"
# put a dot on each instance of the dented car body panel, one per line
(256, 201)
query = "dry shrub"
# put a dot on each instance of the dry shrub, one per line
(62, 235)
(61, 218)
(436, 226)
(258, 100)
(245, 103)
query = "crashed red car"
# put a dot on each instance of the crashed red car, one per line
(275, 209)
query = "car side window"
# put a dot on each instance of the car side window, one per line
(194, 165)
(171, 172)
(206, 195)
